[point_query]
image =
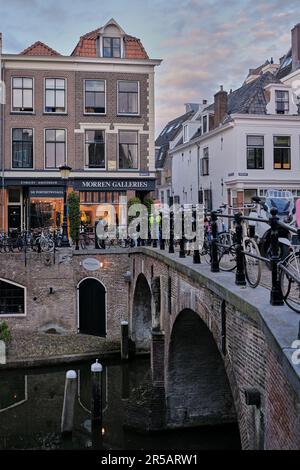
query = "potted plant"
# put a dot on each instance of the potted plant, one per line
(5, 337)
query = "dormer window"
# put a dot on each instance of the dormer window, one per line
(112, 47)
(185, 133)
(282, 102)
(204, 124)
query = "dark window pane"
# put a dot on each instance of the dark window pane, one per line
(50, 155)
(128, 86)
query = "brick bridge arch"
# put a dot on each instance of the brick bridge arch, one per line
(197, 387)
(239, 328)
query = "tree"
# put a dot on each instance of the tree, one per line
(74, 215)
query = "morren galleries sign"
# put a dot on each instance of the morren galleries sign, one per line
(115, 185)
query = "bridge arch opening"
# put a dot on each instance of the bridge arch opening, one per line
(141, 314)
(198, 391)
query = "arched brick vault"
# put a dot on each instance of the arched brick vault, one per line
(141, 318)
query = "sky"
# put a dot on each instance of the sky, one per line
(203, 43)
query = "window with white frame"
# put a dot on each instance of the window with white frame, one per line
(128, 150)
(55, 148)
(112, 47)
(128, 97)
(22, 94)
(282, 102)
(22, 148)
(94, 97)
(12, 299)
(95, 149)
(255, 152)
(282, 152)
(205, 162)
(55, 95)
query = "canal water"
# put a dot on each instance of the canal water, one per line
(31, 403)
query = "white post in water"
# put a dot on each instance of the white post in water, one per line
(124, 341)
(97, 370)
(67, 420)
(2, 353)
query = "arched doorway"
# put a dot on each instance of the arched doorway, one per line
(198, 391)
(141, 314)
(92, 307)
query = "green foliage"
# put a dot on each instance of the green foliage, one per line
(5, 334)
(132, 202)
(74, 215)
(148, 203)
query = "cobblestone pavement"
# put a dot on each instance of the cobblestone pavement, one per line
(24, 346)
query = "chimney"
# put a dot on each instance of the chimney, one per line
(296, 46)
(220, 106)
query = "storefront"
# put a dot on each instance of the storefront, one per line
(38, 203)
(95, 194)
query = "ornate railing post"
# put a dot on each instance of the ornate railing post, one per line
(240, 278)
(214, 244)
(182, 239)
(161, 240)
(276, 292)
(171, 241)
(196, 255)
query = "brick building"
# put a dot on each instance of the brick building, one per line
(93, 110)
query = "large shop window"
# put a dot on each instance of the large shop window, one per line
(22, 95)
(92, 205)
(22, 148)
(55, 147)
(128, 97)
(94, 97)
(128, 150)
(112, 47)
(95, 149)
(282, 153)
(55, 95)
(12, 299)
(255, 152)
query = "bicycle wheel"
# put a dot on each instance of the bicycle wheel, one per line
(253, 266)
(289, 285)
(227, 252)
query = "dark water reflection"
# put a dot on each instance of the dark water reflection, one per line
(31, 404)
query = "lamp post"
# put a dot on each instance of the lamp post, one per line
(65, 171)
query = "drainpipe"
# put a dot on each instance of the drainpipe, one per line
(198, 170)
(2, 92)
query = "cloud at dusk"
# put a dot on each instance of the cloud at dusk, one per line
(203, 43)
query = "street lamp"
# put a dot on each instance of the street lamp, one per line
(65, 171)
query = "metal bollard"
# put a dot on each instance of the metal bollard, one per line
(124, 341)
(182, 240)
(67, 419)
(240, 278)
(214, 247)
(96, 402)
(196, 254)
(162, 243)
(276, 292)
(171, 243)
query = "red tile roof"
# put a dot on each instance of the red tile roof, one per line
(40, 49)
(87, 46)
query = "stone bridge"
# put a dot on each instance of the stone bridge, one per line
(219, 353)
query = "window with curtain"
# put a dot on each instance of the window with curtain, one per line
(128, 97)
(282, 153)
